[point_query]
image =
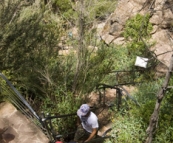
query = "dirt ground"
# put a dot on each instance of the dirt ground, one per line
(102, 110)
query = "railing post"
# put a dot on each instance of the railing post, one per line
(46, 127)
(118, 92)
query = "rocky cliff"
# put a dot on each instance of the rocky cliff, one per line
(161, 18)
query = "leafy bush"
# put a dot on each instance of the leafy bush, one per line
(146, 96)
(63, 6)
(31, 37)
(164, 132)
(127, 129)
(137, 29)
(99, 9)
(137, 33)
(164, 136)
(132, 125)
(61, 104)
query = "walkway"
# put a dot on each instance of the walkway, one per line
(16, 128)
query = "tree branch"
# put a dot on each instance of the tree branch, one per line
(155, 116)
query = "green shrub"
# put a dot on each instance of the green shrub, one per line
(138, 27)
(127, 129)
(164, 136)
(63, 5)
(164, 132)
(146, 97)
(103, 8)
(61, 104)
(137, 31)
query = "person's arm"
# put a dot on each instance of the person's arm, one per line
(78, 121)
(94, 131)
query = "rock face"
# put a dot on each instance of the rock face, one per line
(161, 19)
(16, 128)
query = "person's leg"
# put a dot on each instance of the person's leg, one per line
(81, 134)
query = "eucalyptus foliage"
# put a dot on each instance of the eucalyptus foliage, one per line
(28, 38)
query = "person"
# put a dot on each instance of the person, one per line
(87, 124)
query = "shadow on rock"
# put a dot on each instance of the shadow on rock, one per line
(5, 137)
(8, 137)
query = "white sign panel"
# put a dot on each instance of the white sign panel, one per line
(141, 62)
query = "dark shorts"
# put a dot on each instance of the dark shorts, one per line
(81, 134)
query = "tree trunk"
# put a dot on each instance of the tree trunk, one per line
(154, 117)
(80, 50)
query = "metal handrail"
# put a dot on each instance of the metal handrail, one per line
(47, 121)
(119, 90)
(19, 95)
(44, 122)
(22, 105)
